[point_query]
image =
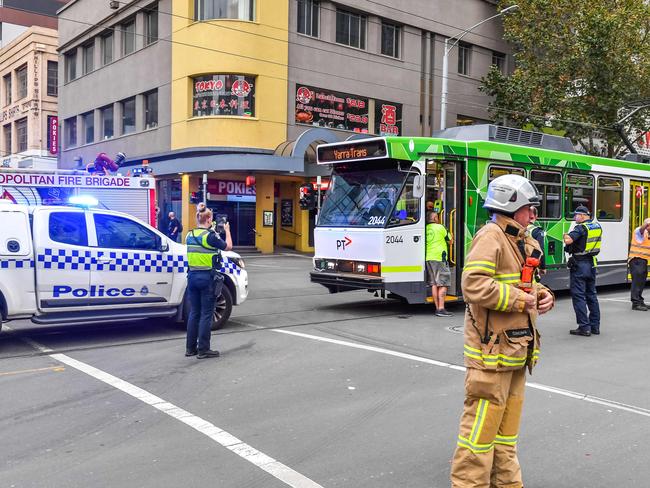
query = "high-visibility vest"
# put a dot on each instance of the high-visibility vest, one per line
(640, 250)
(201, 256)
(594, 237)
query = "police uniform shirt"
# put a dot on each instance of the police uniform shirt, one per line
(579, 236)
(215, 241)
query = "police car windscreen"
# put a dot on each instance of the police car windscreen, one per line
(361, 194)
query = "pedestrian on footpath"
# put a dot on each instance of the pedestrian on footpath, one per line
(204, 281)
(638, 263)
(501, 337)
(583, 243)
(174, 227)
(437, 253)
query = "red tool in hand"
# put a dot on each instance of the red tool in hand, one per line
(528, 272)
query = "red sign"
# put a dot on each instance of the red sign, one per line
(241, 88)
(53, 140)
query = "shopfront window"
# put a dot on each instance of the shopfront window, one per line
(332, 109)
(230, 95)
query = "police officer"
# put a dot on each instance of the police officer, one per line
(500, 337)
(204, 281)
(583, 243)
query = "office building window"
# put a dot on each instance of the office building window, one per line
(107, 48)
(6, 83)
(151, 109)
(21, 79)
(106, 121)
(71, 132)
(88, 121)
(464, 58)
(21, 134)
(128, 37)
(350, 29)
(150, 25)
(499, 61)
(6, 132)
(70, 66)
(128, 115)
(52, 78)
(224, 9)
(88, 60)
(390, 37)
(308, 17)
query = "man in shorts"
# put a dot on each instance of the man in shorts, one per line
(438, 274)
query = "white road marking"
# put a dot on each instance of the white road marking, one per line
(538, 386)
(220, 436)
(614, 300)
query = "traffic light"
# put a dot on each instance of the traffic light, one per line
(307, 197)
(196, 197)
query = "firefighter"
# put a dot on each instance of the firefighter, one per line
(501, 338)
(583, 243)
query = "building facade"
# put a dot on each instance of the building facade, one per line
(16, 16)
(28, 96)
(238, 93)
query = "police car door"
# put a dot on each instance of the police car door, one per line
(63, 259)
(131, 267)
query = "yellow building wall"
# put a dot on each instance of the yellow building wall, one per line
(258, 48)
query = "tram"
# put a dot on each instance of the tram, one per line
(370, 233)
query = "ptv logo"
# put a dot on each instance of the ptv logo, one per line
(343, 243)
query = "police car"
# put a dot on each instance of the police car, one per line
(71, 264)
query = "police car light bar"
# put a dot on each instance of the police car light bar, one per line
(83, 201)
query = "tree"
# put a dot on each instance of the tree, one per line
(578, 63)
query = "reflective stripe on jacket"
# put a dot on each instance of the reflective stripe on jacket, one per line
(640, 249)
(499, 335)
(200, 254)
(594, 237)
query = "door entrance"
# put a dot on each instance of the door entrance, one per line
(241, 216)
(443, 197)
(639, 203)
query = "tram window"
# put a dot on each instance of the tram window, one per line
(549, 185)
(407, 208)
(609, 199)
(579, 191)
(496, 171)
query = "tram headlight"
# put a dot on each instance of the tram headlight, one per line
(361, 268)
(331, 265)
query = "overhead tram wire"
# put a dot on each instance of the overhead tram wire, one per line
(394, 66)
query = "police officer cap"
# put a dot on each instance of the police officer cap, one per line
(581, 209)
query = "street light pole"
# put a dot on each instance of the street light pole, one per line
(445, 63)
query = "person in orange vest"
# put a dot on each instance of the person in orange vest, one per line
(638, 263)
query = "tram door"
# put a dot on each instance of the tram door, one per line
(639, 203)
(443, 197)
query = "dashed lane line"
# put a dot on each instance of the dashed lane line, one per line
(537, 386)
(273, 467)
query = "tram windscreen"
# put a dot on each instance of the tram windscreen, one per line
(361, 195)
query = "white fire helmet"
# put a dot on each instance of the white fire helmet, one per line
(508, 193)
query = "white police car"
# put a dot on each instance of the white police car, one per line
(76, 265)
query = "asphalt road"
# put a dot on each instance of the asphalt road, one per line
(311, 390)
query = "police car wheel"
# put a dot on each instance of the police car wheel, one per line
(222, 309)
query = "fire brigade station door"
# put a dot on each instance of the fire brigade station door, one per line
(444, 193)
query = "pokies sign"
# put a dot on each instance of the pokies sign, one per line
(232, 95)
(327, 108)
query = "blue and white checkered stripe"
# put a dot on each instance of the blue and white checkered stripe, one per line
(10, 263)
(124, 261)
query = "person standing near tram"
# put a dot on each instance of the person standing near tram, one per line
(501, 338)
(204, 281)
(583, 243)
(437, 255)
(638, 263)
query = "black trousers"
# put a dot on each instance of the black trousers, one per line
(639, 272)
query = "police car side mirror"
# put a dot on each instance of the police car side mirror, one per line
(418, 186)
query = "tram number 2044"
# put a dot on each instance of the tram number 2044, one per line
(394, 239)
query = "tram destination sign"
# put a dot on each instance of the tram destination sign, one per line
(352, 151)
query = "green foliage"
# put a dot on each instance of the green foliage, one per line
(575, 61)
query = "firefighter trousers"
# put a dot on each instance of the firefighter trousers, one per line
(486, 454)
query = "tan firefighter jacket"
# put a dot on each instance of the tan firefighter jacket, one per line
(499, 335)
